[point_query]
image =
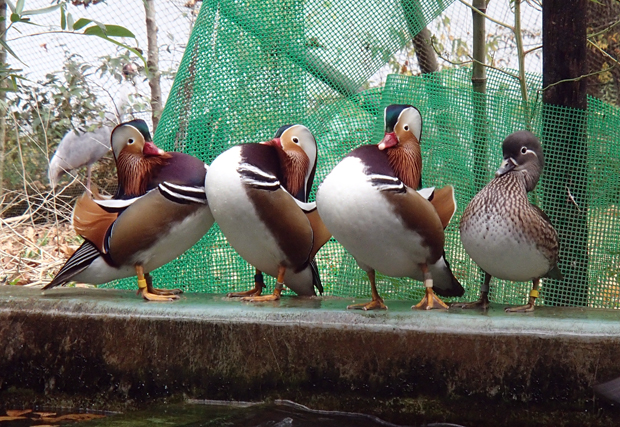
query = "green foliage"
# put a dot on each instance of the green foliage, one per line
(68, 24)
(42, 113)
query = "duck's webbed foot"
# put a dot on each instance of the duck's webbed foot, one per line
(377, 302)
(430, 301)
(257, 290)
(145, 288)
(482, 303)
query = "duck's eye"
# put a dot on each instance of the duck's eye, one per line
(130, 141)
(523, 150)
(406, 127)
(296, 140)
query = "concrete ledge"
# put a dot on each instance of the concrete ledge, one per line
(107, 346)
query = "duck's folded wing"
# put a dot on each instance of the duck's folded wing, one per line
(91, 221)
(78, 262)
(320, 233)
(444, 202)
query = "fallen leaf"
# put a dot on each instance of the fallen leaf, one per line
(17, 412)
(44, 414)
(11, 418)
(29, 233)
(67, 250)
(72, 417)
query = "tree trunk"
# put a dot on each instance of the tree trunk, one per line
(2, 99)
(153, 62)
(427, 59)
(564, 137)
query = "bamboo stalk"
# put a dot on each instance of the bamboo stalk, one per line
(153, 62)
(2, 98)
(479, 85)
(521, 59)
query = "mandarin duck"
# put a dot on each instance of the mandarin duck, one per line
(370, 205)
(158, 212)
(507, 236)
(258, 194)
(84, 148)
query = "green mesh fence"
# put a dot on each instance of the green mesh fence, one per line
(252, 66)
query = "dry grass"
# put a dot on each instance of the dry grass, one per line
(35, 244)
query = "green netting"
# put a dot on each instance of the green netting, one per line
(252, 66)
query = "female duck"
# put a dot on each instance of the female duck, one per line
(507, 236)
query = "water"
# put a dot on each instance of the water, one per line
(227, 414)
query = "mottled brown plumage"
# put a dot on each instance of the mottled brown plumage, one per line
(507, 236)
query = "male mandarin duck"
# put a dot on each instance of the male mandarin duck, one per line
(507, 236)
(369, 203)
(158, 212)
(258, 194)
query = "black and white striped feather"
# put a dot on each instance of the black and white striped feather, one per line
(387, 183)
(258, 178)
(81, 259)
(182, 193)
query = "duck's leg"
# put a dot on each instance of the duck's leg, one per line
(152, 290)
(430, 300)
(377, 301)
(89, 173)
(483, 301)
(144, 291)
(259, 284)
(276, 292)
(530, 303)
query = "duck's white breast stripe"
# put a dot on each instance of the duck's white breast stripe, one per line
(179, 197)
(387, 183)
(374, 176)
(246, 167)
(197, 190)
(258, 178)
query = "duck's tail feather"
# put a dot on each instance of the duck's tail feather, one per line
(316, 278)
(78, 262)
(445, 283)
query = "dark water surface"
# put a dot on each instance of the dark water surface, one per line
(227, 414)
(212, 414)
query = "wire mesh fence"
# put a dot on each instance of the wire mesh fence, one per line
(251, 66)
(321, 65)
